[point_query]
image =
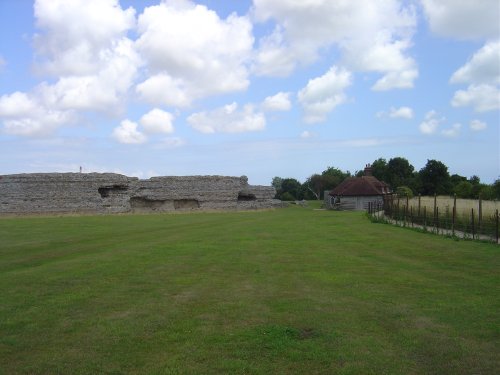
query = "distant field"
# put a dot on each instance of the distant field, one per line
(290, 291)
(464, 206)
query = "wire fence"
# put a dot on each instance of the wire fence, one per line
(472, 223)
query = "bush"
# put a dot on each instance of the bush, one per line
(404, 191)
(286, 196)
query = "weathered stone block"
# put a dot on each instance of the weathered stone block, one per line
(115, 193)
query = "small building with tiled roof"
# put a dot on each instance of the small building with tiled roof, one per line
(355, 193)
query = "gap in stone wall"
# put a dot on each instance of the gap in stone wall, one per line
(245, 197)
(186, 204)
(105, 191)
(149, 204)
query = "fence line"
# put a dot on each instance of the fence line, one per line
(471, 224)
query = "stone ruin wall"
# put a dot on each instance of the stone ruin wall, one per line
(41, 193)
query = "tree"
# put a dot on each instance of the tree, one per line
(455, 179)
(435, 178)
(399, 172)
(496, 189)
(276, 183)
(477, 186)
(379, 169)
(333, 177)
(463, 189)
(315, 185)
(293, 187)
(487, 192)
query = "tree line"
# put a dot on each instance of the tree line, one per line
(399, 174)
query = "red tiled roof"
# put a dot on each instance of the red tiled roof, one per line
(361, 186)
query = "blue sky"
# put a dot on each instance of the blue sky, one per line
(261, 88)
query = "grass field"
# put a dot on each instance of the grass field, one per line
(290, 291)
(464, 206)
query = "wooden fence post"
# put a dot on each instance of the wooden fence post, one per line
(480, 213)
(435, 207)
(472, 216)
(496, 224)
(397, 212)
(425, 218)
(454, 213)
(436, 222)
(419, 196)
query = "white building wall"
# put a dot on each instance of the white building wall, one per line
(359, 203)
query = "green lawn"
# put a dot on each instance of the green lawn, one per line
(290, 291)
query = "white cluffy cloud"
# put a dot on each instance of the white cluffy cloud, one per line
(157, 121)
(464, 19)
(187, 65)
(452, 132)
(26, 115)
(278, 102)
(482, 73)
(373, 36)
(322, 94)
(477, 125)
(483, 67)
(402, 112)
(431, 123)
(127, 133)
(74, 32)
(482, 97)
(83, 45)
(228, 119)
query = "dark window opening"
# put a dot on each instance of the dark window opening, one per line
(245, 197)
(105, 191)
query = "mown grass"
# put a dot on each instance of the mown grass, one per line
(294, 290)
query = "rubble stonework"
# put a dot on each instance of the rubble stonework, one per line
(115, 193)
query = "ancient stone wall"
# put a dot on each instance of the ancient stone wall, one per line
(115, 193)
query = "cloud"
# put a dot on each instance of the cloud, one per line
(278, 102)
(187, 64)
(477, 125)
(157, 121)
(306, 134)
(482, 97)
(431, 123)
(228, 119)
(162, 89)
(274, 58)
(74, 33)
(402, 79)
(402, 112)
(372, 36)
(322, 94)
(127, 133)
(84, 46)
(482, 73)
(465, 19)
(483, 67)
(452, 132)
(49, 106)
(25, 115)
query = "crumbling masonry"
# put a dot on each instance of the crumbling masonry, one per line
(41, 193)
